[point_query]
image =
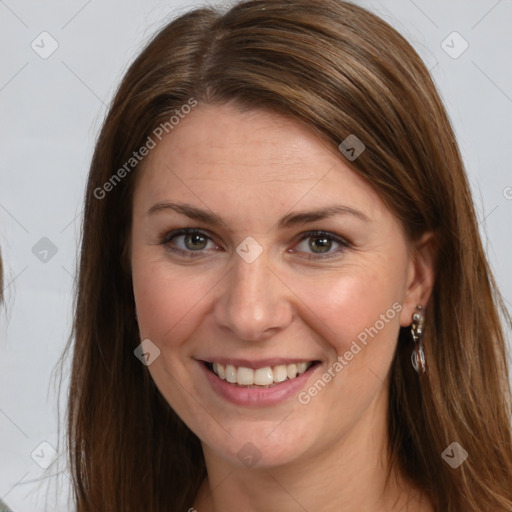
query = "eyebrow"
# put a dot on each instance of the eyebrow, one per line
(289, 220)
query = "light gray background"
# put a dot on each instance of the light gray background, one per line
(51, 112)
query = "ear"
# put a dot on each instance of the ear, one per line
(420, 276)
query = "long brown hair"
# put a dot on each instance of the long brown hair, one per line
(341, 70)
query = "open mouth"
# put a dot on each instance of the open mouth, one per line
(266, 377)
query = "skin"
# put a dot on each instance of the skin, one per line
(251, 169)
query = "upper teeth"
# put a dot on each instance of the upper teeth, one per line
(261, 376)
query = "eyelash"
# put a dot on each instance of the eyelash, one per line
(308, 234)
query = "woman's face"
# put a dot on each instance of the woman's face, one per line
(259, 288)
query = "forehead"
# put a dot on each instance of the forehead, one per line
(221, 151)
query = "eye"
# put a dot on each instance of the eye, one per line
(313, 244)
(321, 243)
(187, 241)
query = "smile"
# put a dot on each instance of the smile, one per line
(262, 383)
(259, 377)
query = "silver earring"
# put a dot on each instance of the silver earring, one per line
(418, 356)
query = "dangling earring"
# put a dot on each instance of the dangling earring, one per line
(418, 356)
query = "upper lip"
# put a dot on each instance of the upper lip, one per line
(260, 363)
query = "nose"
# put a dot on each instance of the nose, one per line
(254, 303)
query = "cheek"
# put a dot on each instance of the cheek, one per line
(168, 301)
(358, 311)
(170, 304)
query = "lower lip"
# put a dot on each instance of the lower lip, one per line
(258, 397)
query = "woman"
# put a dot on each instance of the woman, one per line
(283, 302)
